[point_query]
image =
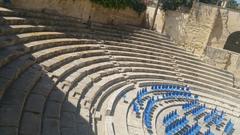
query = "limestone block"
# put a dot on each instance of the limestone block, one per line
(51, 127)
(9, 115)
(57, 96)
(53, 109)
(68, 120)
(8, 130)
(31, 124)
(35, 103)
(68, 131)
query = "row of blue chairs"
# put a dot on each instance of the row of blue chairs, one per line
(176, 126)
(218, 120)
(209, 117)
(170, 117)
(199, 110)
(170, 87)
(147, 112)
(229, 127)
(136, 107)
(140, 94)
(194, 130)
(190, 105)
(208, 132)
(177, 94)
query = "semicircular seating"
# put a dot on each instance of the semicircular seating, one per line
(61, 76)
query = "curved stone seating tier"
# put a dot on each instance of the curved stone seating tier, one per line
(138, 125)
(214, 98)
(61, 76)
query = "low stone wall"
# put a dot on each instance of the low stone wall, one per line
(225, 60)
(85, 10)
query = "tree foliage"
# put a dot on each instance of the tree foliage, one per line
(137, 5)
(175, 4)
(214, 2)
(233, 4)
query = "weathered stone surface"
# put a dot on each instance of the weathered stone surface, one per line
(8, 130)
(9, 115)
(57, 96)
(35, 103)
(68, 107)
(51, 127)
(53, 109)
(4, 83)
(30, 124)
(68, 131)
(44, 86)
(68, 119)
(225, 60)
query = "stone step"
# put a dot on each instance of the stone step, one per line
(144, 64)
(144, 38)
(212, 87)
(144, 75)
(52, 52)
(30, 28)
(57, 61)
(119, 52)
(206, 77)
(14, 20)
(69, 19)
(201, 91)
(153, 48)
(33, 110)
(130, 35)
(11, 53)
(223, 75)
(10, 40)
(13, 101)
(51, 126)
(94, 93)
(101, 31)
(79, 74)
(103, 100)
(132, 29)
(137, 59)
(76, 64)
(11, 72)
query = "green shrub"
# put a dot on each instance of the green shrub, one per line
(136, 5)
(175, 4)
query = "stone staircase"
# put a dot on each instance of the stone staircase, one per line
(56, 72)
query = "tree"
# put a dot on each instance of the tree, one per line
(137, 5)
(232, 4)
(175, 4)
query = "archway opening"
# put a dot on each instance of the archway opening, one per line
(233, 42)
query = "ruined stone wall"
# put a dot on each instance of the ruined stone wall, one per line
(225, 60)
(83, 9)
(175, 26)
(199, 26)
(204, 31)
(191, 30)
(228, 22)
